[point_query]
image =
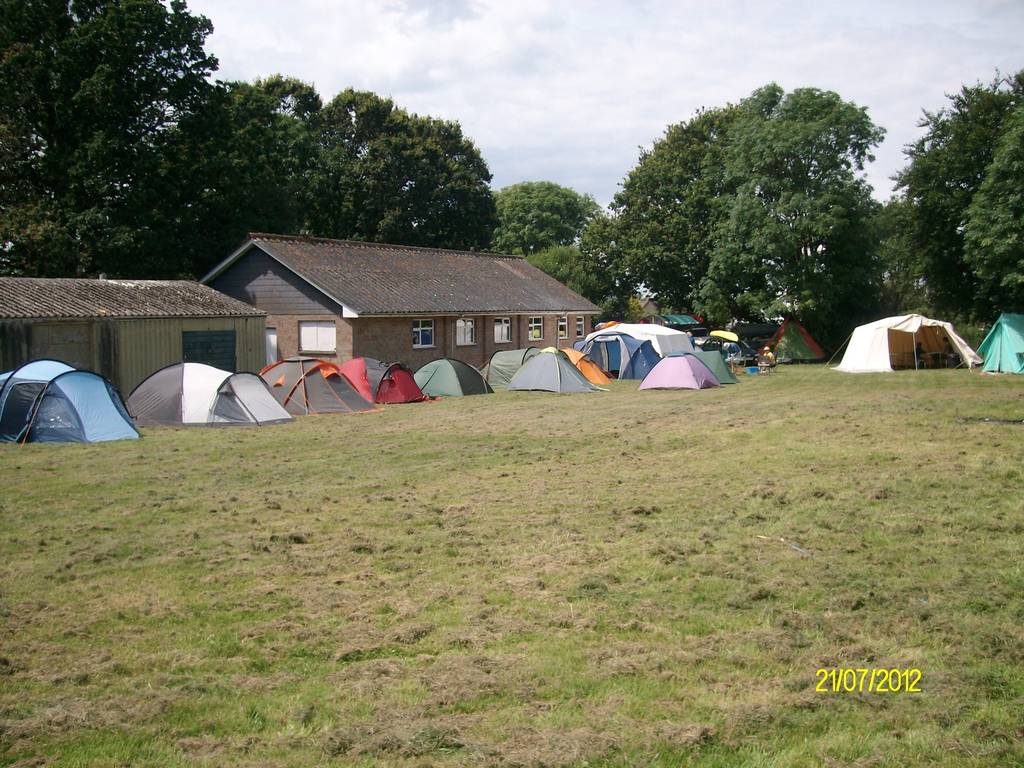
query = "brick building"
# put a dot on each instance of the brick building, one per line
(339, 299)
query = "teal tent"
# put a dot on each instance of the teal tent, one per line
(446, 377)
(1003, 347)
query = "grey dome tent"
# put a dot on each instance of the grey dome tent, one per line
(504, 363)
(551, 372)
(307, 385)
(47, 401)
(446, 377)
(193, 394)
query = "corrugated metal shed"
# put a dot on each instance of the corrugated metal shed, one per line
(125, 329)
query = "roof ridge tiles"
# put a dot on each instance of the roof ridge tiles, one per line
(379, 246)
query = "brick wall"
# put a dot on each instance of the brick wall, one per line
(390, 338)
(287, 327)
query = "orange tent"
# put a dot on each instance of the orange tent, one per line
(588, 367)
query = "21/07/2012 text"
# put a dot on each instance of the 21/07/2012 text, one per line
(862, 679)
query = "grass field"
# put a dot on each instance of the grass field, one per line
(529, 580)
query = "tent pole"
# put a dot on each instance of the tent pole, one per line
(915, 351)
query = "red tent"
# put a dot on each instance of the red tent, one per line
(382, 382)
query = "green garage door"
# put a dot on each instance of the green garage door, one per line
(216, 348)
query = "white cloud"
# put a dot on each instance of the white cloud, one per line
(568, 91)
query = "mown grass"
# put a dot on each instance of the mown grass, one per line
(525, 579)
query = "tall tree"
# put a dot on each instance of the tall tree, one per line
(994, 239)
(536, 215)
(99, 101)
(386, 175)
(947, 166)
(797, 239)
(665, 218)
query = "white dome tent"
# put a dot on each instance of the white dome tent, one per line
(193, 394)
(903, 341)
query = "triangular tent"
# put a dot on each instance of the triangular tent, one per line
(504, 363)
(446, 377)
(1003, 347)
(792, 343)
(685, 371)
(306, 385)
(713, 359)
(194, 394)
(551, 372)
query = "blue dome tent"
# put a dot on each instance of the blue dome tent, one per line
(622, 355)
(47, 401)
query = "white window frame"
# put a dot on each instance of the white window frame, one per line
(581, 327)
(462, 325)
(563, 327)
(418, 326)
(503, 330)
(530, 323)
(325, 335)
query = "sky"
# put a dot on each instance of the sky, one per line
(570, 91)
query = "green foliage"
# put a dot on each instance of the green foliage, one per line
(386, 175)
(100, 107)
(994, 239)
(796, 240)
(754, 211)
(662, 233)
(948, 165)
(534, 215)
(903, 287)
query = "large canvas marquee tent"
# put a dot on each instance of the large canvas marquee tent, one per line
(1003, 347)
(47, 401)
(892, 342)
(197, 394)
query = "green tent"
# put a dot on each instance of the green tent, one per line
(793, 344)
(446, 377)
(713, 359)
(1003, 347)
(504, 364)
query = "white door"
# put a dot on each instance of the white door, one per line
(271, 336)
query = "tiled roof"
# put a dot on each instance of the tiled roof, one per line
(74, 297)
(373, 278)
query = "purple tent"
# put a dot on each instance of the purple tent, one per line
(680, 372)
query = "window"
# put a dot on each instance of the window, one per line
(465, 332)
(271, 339)
(317, 336)
(422, 334)
(536, 328)
(579, 328)
(563, 327)
(502, 330)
